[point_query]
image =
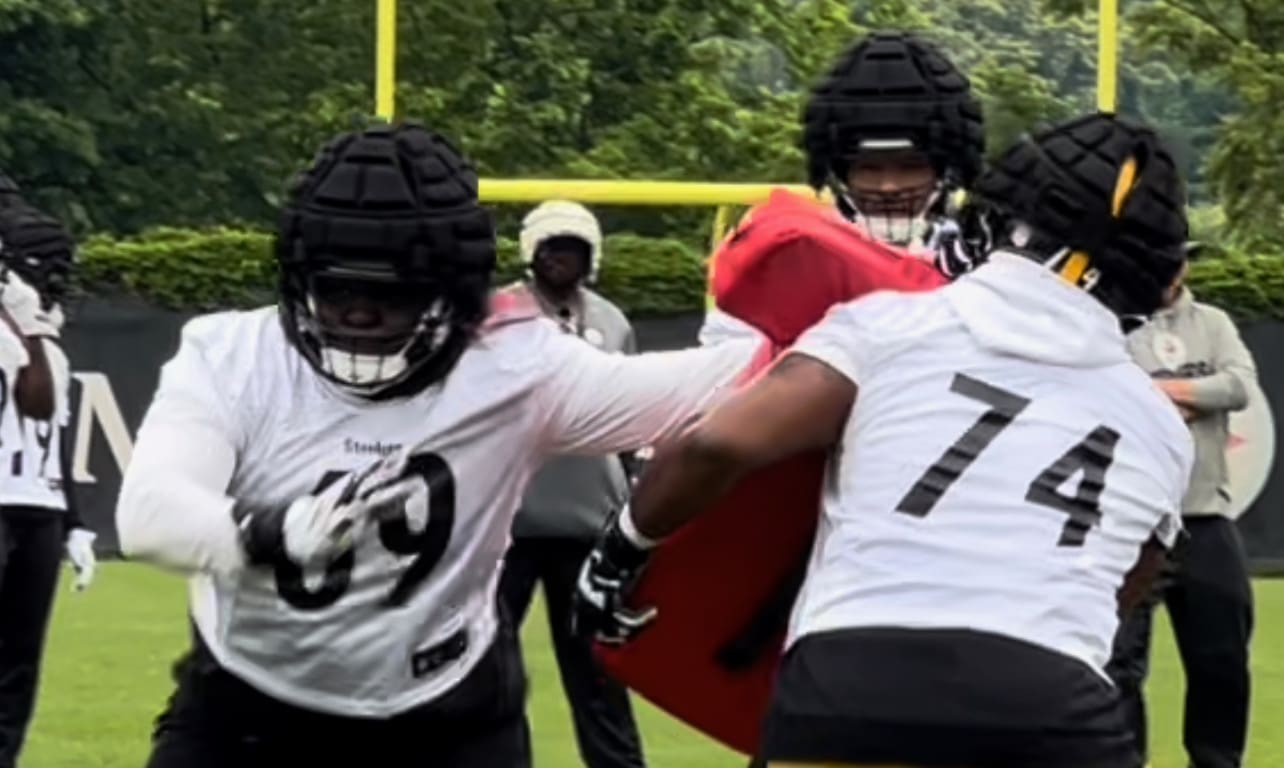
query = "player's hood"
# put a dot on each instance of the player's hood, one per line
(1015, 306)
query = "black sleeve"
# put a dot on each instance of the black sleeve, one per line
(71, 520)
(629, 459)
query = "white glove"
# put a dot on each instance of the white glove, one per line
(80, 550)
(22, 302)
(13, 349)
(44, 325)
(319, 528)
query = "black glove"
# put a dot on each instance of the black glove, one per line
(960, 243)
(599, 607)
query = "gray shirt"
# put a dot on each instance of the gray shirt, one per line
(1199, 343)
(572, 496)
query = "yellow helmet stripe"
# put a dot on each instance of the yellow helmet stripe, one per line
(1123, 186)
(1077, 263)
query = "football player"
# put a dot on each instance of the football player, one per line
(339, 473)
(1002, 480)
(33, 528)
(41, 251)
(893, 132)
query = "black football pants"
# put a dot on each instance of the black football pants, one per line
(215, 720)
(938, 697)
(1210, 604)
(600, 708)
(30, 555)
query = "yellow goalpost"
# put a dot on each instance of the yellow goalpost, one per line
(1107, 55)
(696, 193)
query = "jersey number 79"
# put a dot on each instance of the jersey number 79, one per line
(426, 546)
(1094, 455)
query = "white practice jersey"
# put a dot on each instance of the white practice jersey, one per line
(1002, 467)
(407, 614)
(31, 472)
(13, 357)
(718, 326)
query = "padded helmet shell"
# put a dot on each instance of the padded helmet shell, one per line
(1103, 186)
(395, 203)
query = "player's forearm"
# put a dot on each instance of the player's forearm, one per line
(680, 483)
(72, 519)
(173, 510)
(641, 400)
(1139, 583)
(34, 390)
(202, 537)
(680, 387)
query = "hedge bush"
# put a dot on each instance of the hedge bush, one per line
(183, 269)
(1250, 287)
(209, 269)
(219, 268)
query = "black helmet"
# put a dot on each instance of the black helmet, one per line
(1104, 188)
(39, 249)
(894, 90)
(392, 208)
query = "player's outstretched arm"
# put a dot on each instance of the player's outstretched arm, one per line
(801, 405)
(599, 403)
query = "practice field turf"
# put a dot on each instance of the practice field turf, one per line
(110, 651)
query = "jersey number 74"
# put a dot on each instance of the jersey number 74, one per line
(1093, 455)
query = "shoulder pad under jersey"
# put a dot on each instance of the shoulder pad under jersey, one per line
(511, 304)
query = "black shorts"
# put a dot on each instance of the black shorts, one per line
(216, 720)
(942, 698)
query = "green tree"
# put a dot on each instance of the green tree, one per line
(1235, 45)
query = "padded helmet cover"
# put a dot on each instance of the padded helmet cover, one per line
(894, 85)
(392, 203)
(40, 249)
(1067, 184)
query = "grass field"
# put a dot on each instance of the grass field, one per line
(110, 650)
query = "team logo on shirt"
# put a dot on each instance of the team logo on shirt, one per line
(1250, 451)
(376, 448)
(1169, 349)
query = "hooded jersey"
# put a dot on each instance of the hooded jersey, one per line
(1003, 464)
